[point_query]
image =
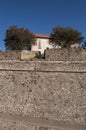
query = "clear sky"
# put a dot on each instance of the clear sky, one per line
(40, 16)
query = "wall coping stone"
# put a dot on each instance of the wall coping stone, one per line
(43, 66)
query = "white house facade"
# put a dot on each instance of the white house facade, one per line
(42, 42)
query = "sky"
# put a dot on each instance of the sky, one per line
(41, 16)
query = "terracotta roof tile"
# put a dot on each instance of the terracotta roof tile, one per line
(42, 35)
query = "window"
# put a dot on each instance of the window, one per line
(35, 43)
(39, 44)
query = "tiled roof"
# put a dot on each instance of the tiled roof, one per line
(42, 35)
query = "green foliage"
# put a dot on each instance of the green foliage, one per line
(18, 38)
(65, 37)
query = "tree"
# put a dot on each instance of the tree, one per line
(65, 37)
(19, 38)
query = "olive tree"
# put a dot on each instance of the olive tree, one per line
(18, 38)
(65, 37)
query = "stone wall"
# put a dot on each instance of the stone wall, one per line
(63, 54)
(47, 90)
(17, 55)
(10, 55)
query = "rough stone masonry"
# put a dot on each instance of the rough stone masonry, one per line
(47, 95)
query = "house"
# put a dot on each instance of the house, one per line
(42, 42)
